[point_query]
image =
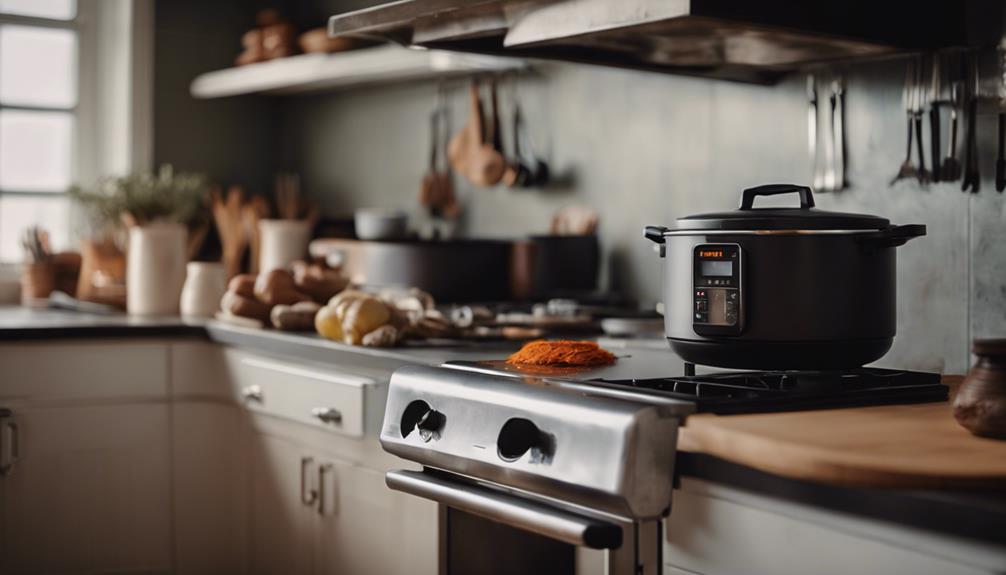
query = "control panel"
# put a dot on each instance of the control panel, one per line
(717, 273)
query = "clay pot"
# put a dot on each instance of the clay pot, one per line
(37, 282)
(980, 405)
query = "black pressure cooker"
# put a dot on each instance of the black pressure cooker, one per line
(781, 288)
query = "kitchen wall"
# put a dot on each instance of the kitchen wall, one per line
(644, 148)
(641, 148)
(233, 140)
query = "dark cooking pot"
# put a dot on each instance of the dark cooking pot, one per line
(781, 288)
(543, 267)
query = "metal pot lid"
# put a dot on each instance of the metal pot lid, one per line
(804, 217)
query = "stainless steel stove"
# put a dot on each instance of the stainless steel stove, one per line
(543, 462)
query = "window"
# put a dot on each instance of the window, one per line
(39, 96)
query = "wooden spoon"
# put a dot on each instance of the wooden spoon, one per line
(230, 225)
(469, 152)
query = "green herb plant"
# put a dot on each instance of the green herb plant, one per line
(143, 198)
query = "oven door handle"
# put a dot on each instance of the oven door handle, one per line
(565, 526)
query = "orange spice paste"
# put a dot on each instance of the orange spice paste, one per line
(562, 353)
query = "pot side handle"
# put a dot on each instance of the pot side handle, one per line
(749, 195)
(893, 236)
(655, 233)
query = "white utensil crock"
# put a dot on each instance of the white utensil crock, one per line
(155, 268)
(282, 242)
(205, 284)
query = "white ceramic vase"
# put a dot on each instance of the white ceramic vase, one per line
(205, 284)
(282, 242)
(155, 268)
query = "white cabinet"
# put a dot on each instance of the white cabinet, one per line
(68, 371)
(280, 511)
(210, 462)
(90, 493)
(311, 512)
(187, 457)
(719, 530)
(368, 529)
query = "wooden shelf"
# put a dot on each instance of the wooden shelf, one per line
(319, 72)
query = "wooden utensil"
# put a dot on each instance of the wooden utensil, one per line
(469, 152)
(290, 204)
(288, 196)
(256, 209)
(436, 192)
(227, 214)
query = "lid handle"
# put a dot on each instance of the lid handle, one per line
(806, 195)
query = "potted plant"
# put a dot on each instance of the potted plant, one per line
(158, 210)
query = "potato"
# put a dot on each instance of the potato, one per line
(384, 336)
(277, 288)
(318, 282)
(243, 285)
(239, 305)
(342, 301)
(328, 323)
(363, 316)
(296, 317)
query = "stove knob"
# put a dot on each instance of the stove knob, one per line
(419, 415)
(430, 425)
(516, 438)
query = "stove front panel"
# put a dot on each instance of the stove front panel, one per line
(605, 454)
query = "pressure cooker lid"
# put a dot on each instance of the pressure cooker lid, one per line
(804, 217)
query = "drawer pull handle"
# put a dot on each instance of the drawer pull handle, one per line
(252, 393)
(327, 414)
(15, 448)
(308, 494)
(326, 500)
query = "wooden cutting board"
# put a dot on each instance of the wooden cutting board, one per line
(900, 446)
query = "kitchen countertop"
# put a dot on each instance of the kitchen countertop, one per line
(25, 323)
(21, 323)
(980, 515)
(634, 362)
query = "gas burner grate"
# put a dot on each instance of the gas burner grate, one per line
(766, 391)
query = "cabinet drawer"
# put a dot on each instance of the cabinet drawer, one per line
(315, 395)
(77, 370)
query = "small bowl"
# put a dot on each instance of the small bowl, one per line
(633, 326)
(380, 224)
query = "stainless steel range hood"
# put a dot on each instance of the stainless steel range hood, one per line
(747, 40)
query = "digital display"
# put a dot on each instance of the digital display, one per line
(722, 268)
(710, 253)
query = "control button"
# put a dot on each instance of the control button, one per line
(701, 317)
(517, 437)
(418, 415)
(731, 318)
(700, 293)
(701, 305)
(732, 297)
(430, 425)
